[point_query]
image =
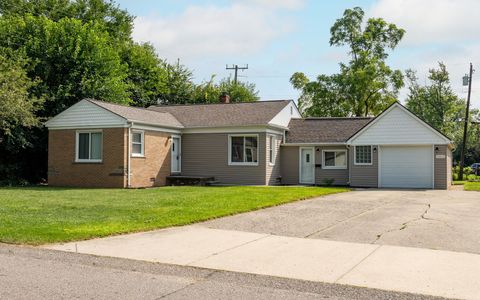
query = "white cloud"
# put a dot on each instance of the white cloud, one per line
(286, 4)
(240, 28)
(432, 20)
(436, 30)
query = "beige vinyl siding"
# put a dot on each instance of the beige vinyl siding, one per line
(441, 162)
(340, 176)
(364, 175)
(289, 164)
(206, 154)
(273, 171)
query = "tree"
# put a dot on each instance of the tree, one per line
(179, 82)
(366, 84)
(146, 76)
(209, 91)
(437, 104)
(106, 14)
(17, 108)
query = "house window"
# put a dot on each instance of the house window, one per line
(335, 159)
(272, 149)
(138, 143)
(89, 146)
(363, 155)
(243, 150)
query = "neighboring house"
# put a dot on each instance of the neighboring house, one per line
(99, 144)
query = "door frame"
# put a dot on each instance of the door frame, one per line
(179, 137)
(300, 164)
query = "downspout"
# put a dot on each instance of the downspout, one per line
(128, 155)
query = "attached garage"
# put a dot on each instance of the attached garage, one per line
(406, 166)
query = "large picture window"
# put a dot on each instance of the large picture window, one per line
(243, 150)
(363, 155)
(334, 159)
(89, 146)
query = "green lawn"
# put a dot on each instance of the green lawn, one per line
(38, 215)
(472, 186)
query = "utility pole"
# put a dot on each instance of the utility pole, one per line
(236, 68)
(465, 128)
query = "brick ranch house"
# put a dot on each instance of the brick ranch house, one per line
(99, 144)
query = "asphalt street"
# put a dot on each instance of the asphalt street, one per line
(33, 273)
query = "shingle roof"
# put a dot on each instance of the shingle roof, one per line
(324, 130)
(140, 114)
(217, 115)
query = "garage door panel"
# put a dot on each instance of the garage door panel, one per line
(406, 166)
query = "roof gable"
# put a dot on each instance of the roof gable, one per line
(139, 115)
(283, 117)
(397, 125)
(258, 113)
(85, 114)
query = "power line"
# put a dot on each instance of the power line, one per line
(236, 68)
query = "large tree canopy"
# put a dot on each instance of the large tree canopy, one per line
(365, 84)
(70, 50)
(437, 104)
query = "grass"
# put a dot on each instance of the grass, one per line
(472, 186)
(39, 215)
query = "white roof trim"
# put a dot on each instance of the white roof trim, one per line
(385, 112)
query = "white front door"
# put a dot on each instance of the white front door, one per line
(406, 166)
(176, 163)
(307, 166)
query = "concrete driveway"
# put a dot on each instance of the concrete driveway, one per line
(446, 220)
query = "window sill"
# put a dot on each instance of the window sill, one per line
(271, 164)
(88, 162)
(370, 164)
(334, 168)
(138, 156)
(243, 164)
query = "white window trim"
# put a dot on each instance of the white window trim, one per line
(355, 156)
(77, 134)
(142, 141)
(273, 156)
(230, 163)
(334, 167)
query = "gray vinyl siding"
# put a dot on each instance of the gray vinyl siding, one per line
(441, 167)
(206, 154)
(289, 164)
(340, 176)
(273, 171)
(361, 175)
(449, 167)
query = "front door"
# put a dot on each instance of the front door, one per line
(176, 163)
(307, 166)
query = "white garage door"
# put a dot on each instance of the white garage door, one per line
(406, 166)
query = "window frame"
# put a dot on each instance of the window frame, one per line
(355, 156)
(77, 145)
(272, 151)
(244, 163)
(142, 143)
(335, 159)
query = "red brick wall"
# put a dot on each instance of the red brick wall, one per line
(152, 169)
(64, 171)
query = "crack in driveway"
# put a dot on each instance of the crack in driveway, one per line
(405, 225)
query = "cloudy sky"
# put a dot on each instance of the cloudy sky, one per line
(279, 37)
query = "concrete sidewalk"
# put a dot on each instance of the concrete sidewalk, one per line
(415, 270)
